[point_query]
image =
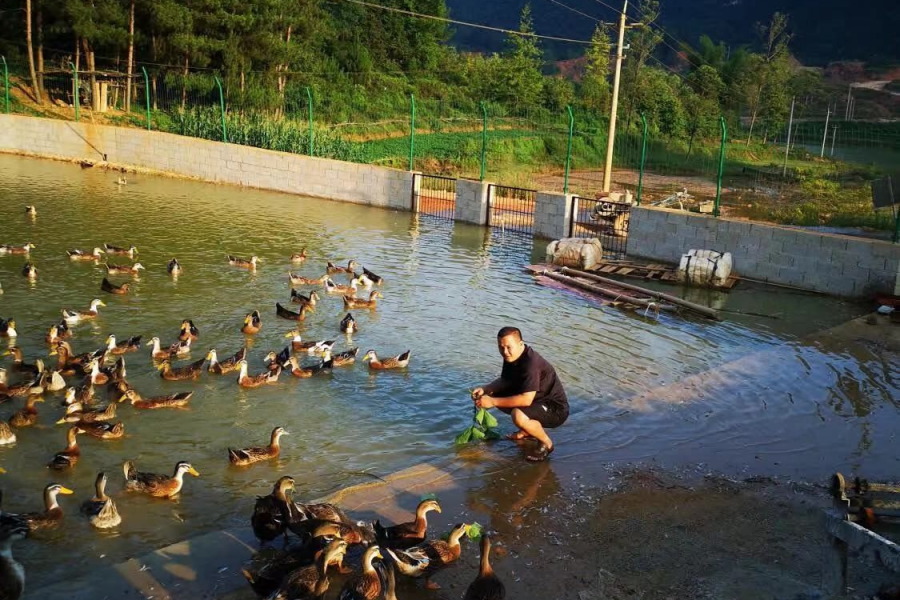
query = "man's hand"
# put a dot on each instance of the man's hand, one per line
(484, 401)
(477, 393)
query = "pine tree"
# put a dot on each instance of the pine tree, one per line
(595, 84)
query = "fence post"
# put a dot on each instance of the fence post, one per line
(640, 189)
(5, 82)
(75, 87)
(412, 131)
(222, 106)
(483, 138)
(309, 111)
(569, 149)
(147, 95)
(721, 166)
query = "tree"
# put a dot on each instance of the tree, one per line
(522, 80)
(701, 103)
(769, 72)
(558, 93)
(34, 82)
(642, 42)
(595, 84)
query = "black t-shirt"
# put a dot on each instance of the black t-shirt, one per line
(532, 373)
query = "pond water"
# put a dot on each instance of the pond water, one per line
(750, 393)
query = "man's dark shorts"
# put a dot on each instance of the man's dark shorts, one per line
(548, 415)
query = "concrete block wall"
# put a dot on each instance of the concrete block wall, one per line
(552, 215)
(471, 201)
(207, 160)
(836, 264)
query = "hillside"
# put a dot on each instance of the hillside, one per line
(824, 30)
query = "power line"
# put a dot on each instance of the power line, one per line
(467, 24)
(575, 10)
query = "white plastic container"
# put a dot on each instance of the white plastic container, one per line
(579, 253)
(705, 267)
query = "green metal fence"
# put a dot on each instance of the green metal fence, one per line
(821, 179)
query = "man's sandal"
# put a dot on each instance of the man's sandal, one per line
(518, 436)
(542, 453)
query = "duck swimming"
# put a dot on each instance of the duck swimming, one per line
(26, 249)
(247, 456)
(226, 366)
(81, 255)
(332, 268)
(244, 263)
(174, 267)
(110, 288)
(396, 362)
(177, 400)
(158, 486)
(134, 269)
(252, 323)
(101, 510)
(120, 251)
(29, 271)
(77, 316)
(372, 302)
(67, 458)
(52, 514)
(252, 381)
(8, 328)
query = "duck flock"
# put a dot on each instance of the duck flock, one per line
(316, 537)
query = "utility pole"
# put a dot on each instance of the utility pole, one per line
(614, 109)
(833, 136)
(825, 137)
(787, 147)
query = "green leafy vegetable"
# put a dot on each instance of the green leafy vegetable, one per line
(482, 428)
(474, 531)
(489, 421)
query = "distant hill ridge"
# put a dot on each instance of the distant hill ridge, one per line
(824, 30)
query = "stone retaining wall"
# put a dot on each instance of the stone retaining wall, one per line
(835, 264)
(207, 160)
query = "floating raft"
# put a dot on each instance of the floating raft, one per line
(611, 292)
(647, 271)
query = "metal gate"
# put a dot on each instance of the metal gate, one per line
(511, 209)
(601, 219)
(435, 195)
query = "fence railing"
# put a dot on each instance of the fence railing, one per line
(817, 176)
(602, 219)
(435, 196)
(511, 208)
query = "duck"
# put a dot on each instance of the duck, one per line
(271, 513)
(67, 361)
(84, 394)
(346, 290)
(95, 375)
(253, 381)
(158, 486)
(311, 581)
(7, 391)
(372, 276)
(298, 345)
(19, 364)
(332, 268)
(179, 349)
(28, 415)
(363, 280)
(322, 347)
(301, 280)
(134, 269)
(120, 251)
(31, 211)
(103, 430)
(67, 458)
(349, 325)
(48, 518)
(75, 413)
(372, 302)
(7, 437)
(132, 344)
(407, 535)
(188, 331)
(123, 180)
(298, 298)
(366, 585)
(424, 560)
(110, 288)
(396, 362)
(341, 359)
(252, 323)
(291, 315)
(274, 360)
(25, 249)
(57, 332)
(76, 254)
(487, 586)
(299, 257)
(226, 366)
(76, 316)
(12, 573)
(244, 263)
(101, 510)
(174, 267)
(294, 368)
(177, 400)
(29, 271)
(247, 456)
(189, 371)
(55, 382)
(8, 328)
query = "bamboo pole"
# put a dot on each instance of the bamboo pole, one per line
(614, 294)
(703, 310)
